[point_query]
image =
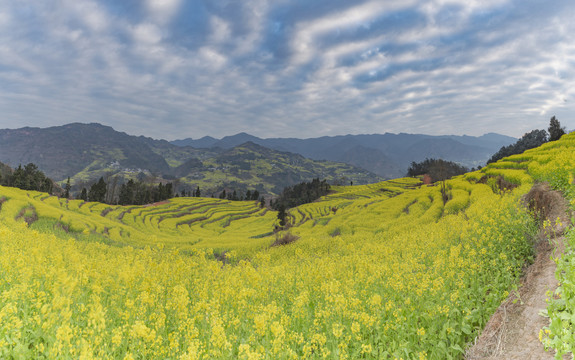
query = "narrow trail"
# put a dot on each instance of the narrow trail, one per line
(513, 331)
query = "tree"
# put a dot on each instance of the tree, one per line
(168, 191)
(198, 192)
(67, 188)
(301, 193)
(84, 194)
(555, 129)
(30, 177)
(127, 190)
(282, 215)
(530, 140)
(438, 169)
(98, 191)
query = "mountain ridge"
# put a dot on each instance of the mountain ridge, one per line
(85, 152)
(391, 153)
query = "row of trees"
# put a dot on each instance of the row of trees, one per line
(28, 177)
(531, 140)
(302, 193)
(437, 169)
(233, 195)
(131, 193)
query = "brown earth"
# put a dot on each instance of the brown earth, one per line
(513, 331)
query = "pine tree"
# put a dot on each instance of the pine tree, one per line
(84, 194)
(555, 129)
(67, 188)
(282, 215)
(98, 191)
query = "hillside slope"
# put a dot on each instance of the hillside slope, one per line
(67, 150)
(85, 152)
(389, 154)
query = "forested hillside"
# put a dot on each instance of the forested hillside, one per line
(87, 152)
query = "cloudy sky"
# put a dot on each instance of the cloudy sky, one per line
(277, 68)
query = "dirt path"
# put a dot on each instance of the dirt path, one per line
(513, 331)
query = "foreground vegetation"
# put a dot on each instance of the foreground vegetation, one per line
(389, 270)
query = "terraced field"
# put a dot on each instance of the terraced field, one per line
(184, 223)
(383, 271)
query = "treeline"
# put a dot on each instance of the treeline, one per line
(28, 177)
(130, 193)
(301, 193)
(437, 169)
(531, 140)
(233, 195)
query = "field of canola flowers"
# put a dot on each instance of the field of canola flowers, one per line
(381, 271)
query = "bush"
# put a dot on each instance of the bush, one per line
(284, 239)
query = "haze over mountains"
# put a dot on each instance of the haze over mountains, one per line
(85, 152)
(387, 155)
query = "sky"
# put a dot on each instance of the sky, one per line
(174, 69)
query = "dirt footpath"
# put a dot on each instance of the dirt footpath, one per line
(513, 331)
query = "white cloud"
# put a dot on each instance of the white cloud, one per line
(82, 60)
(147, 33)
(304, 41)
(162, 11)
(211, 58)
(220, 30)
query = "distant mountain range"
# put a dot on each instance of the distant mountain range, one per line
(387, 155)
(84, 152)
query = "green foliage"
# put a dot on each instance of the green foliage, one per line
(530, 140)
(282, 215)
(438, 169)
(67, 189)
(84, 194)
(28, 178)
(98, 191)
(301, 193)
(555, 129)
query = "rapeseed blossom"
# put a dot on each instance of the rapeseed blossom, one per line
(390, 274)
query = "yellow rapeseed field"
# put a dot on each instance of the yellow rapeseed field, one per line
(382, 271)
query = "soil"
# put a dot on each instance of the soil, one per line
(513, 331)
(158, 203)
